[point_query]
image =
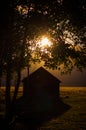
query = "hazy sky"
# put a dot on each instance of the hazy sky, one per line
(76, 78)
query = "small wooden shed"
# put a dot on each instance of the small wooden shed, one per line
(42, 88)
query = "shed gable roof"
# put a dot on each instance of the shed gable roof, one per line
(43, 73)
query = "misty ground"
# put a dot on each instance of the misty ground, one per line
(73, 119)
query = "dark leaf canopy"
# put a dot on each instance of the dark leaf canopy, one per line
(24, 21)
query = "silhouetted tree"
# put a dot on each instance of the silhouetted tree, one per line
(24, 21)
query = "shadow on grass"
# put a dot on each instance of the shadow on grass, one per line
(30, 114)
(31, 118)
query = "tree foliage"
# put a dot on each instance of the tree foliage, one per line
(63, 20)
(23, 22)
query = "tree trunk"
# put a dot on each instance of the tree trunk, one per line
(28, 70)
(7, 95)
(16, 91)
(0, 81)
(0, 76)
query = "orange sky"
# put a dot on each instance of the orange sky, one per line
(76, 78)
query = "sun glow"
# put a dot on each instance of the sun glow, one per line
(42, 44)
(45, 42)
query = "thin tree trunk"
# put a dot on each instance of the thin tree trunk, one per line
(7, 95)
(0, 82)
(28, 70)
(16, 87)
(15, 94)
(0, 76)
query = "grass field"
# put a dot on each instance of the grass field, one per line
(73, 119)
